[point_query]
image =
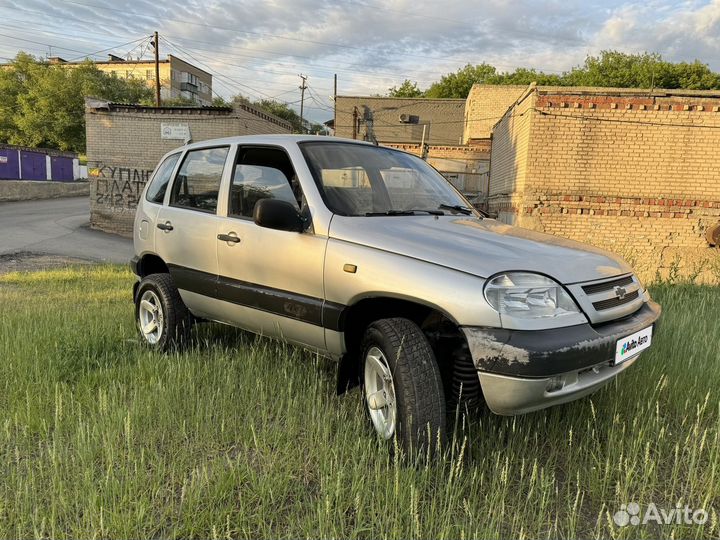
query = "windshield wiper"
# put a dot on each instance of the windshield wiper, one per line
(405, 212)
(456, 208)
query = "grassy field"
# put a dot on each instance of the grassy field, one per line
(244, 437)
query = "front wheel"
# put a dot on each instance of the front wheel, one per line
(402, 387)
(162, 318)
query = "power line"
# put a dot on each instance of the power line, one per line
(234, 30)
(74, 18)
(219, 77)
(183, 51)
(323, 67)
(83, 54)
(142, 40)
(230, 64)
(314, 64)
(27, 25)
(109, 35)
(237, 31)
(42, 43)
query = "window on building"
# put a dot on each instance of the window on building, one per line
(158, 184)
(262, 173)
(150, 74)
(197, 183)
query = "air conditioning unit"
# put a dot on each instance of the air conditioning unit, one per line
(409, 118)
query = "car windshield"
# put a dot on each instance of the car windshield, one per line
(363, 180)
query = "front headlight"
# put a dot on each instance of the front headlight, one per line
(529, 296)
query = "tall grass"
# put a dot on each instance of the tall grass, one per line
(244, 437)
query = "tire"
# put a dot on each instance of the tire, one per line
(405, 400)
(162, 318)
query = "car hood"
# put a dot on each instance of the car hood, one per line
(482, 247)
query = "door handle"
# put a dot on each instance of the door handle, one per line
(167, 226)
(228, 238)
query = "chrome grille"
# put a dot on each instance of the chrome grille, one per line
(615, 302)
(595, 288)
(608, 299)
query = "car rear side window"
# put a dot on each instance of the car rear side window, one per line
(197, 183)
(158, 186)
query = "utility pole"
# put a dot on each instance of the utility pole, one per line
(302, 87)
(156, 46)
(335, 104)
(355, 122)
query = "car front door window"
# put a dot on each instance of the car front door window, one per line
(261, 173)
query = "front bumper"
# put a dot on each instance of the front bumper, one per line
(134, 263)
(526, 370)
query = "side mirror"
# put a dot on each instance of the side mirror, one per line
(278, 214)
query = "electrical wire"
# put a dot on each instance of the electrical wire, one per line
(194, 54)
(432, 75)
(28, 26)
(236, 31)
(183, 51)
(42, 43)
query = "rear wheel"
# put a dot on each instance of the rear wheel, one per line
(402, 387)
(162, 318)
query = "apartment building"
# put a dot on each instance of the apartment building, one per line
(178, 78)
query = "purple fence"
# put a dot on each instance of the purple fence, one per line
(9, 165)
(21, 163)
(32, 166)
(61, 168)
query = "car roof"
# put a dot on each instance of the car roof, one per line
(271, 139)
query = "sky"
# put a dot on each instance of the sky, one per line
(259, 49)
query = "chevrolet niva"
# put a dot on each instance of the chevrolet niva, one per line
(369, 256)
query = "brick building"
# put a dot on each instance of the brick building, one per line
(125, 143)
(407, 123)
(485, 105)
(633, 171)
(401, 120)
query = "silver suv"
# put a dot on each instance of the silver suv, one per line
(368, 255)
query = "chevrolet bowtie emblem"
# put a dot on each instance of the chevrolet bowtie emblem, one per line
(620, 292)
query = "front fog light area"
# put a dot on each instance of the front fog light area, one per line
(528, 296)
(555, 383)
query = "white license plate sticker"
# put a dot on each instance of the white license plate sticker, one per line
(631, 345)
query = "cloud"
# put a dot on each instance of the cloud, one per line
(686, 31)
(259, 48)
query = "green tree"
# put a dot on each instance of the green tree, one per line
(695, 76)
(220, 102)
(284, 111)
(618, 69)
(281, 110)
(43, 104)
(643, 70)
(525, 76)
(458, 84)
(408, 89)
(609, 68)
(178, 102)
